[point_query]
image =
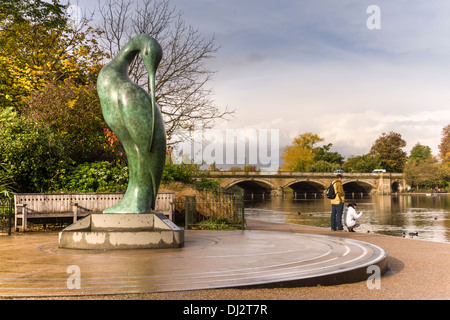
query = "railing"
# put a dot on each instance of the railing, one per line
(211, 211)
(6, 215)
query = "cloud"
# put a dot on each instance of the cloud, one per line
(301, 66)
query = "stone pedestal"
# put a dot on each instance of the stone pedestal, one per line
(122, 231)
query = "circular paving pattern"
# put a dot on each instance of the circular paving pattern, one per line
(32, 266)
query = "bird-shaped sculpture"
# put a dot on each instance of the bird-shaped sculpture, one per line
(133, 115)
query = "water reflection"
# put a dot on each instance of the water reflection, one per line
(394, 215)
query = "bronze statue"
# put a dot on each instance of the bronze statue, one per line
(135, 118)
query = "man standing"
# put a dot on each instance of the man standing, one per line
(337, 205)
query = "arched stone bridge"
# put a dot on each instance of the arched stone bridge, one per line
(276, 183)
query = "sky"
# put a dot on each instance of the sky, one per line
(316, 66)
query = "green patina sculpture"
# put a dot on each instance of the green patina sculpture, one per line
(133, 115)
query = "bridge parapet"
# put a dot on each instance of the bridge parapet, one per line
(382, 183)
(297, 174)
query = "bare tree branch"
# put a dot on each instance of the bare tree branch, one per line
(183, 75)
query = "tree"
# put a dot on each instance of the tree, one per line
(423, 170)
(21, 26)
(323, 153)
(49, 69)
(296, 158)
(364, 163)
(419, 153)
(426, 173)
(39, 46)
(37, 11)
(75, 115)
(299, 155)
(444, 147)
(183, 75)
(323, 166)
(387, 149)
(307, 140)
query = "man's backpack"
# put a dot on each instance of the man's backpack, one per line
(330, 193)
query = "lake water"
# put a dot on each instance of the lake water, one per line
(393, 215)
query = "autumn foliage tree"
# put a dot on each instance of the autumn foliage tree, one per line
(23, 42)
(48, 69)
(304, 155)
(424, 171)
(296, 158)
(444, 147)
(75, 114)
(388, 151)
(299, 155)
(38, 46)
(426, 174)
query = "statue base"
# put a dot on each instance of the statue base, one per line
(122, 231)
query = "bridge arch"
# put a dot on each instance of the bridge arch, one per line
(358, 186)
(306, 186)
(252, 186)
(319, 186)
(398, 185)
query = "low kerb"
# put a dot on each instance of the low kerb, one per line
(122, 231)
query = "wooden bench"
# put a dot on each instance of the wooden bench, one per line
(75, 205)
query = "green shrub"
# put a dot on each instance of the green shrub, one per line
(97, 177)
(205, 184)
(33, 155)
(181, 173)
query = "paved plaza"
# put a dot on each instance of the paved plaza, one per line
(33, 265)
(253, 264)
